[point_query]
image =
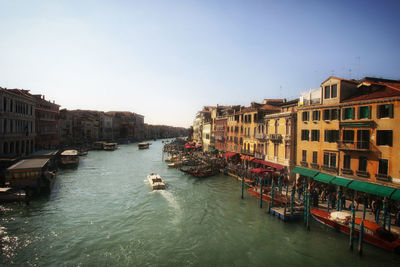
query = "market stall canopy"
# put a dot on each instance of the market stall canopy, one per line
(373, 189)
(279, 167)
(246, 157)
(305, 172)
(229, 154)
(260, 170)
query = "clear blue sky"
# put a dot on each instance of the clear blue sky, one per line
(166, 59)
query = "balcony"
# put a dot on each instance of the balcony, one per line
(261, 136)
(287, 137)
(363, 174)
(354, 146)
(314, 166)
(329, 168)
(304, 163)
(382, 177)
(275, 137)
(347, 171)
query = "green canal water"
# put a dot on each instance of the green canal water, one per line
(104, 214)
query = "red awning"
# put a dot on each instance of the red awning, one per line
(260, 170)
(246, 157)
(277, 166)
(229, 154)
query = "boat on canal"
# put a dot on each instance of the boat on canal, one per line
(110, 146)
(155, 181)
(143, 145)
(8, 194)
(31, 175)
(278, 198)
(374, 233)
(69, 159)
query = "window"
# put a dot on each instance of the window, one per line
(314, 135)
(326, 159)
(384, 111)
(305, 135)
(334, 91)
(383, 166)
(305, 116)
(348, 114)
(364, 112)
(304, 156)
(348, 136)
(346, 161)
(276, 149)
(384, 138)
(362, 164)
(331, 136)
(315, 157)
(276, 126)
(327, 92)
(316, 115)
(330, 114)
(330, 159)
(287, 151)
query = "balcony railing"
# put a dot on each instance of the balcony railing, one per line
(382, 177)
(261, 136)
(329, 168)
(363, 174)
(275, 137)
(355, 146)
(314, 166)
(304, 163)
(259, 155)
(347, 171)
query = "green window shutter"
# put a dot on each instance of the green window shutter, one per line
(369, 112)
(353, 113)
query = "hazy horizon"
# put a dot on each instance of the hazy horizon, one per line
(167, 59)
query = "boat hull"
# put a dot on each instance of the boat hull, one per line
(322, 216)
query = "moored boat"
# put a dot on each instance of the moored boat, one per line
(110, 146)
(69, 159)
(155, 181)
(143, 145)
(374, 233)
(31, 175)
(83, 151)
(8, 194)
(278, 198)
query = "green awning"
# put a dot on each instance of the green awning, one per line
(323, 177)
(396, 195)
(373, 189)
(341, 181)
(305, 172)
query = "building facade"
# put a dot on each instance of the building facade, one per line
(17, 122)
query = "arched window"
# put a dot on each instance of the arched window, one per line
(276, 126)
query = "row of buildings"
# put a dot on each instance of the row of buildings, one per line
(29, 123)
(344, 128)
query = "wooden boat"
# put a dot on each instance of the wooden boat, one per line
(8, 194)
(32, 175)
(278, 198)
(98, 145)
(374, 234)
(176, 164)
(69, 159)
(155, 181)
(110, 146)
(143, 145)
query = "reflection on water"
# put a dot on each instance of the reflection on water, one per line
(104, 214)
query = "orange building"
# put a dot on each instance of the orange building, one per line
(350, 133)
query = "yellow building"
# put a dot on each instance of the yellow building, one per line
(349, 137)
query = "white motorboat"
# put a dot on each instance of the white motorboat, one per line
(155, 181)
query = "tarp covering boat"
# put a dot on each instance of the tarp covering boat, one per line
(29, 164)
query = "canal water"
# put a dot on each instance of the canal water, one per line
(104, 214)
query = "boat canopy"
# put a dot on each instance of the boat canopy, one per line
(29, 164)
(72, 152)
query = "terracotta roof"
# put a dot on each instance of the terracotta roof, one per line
(376, 90)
